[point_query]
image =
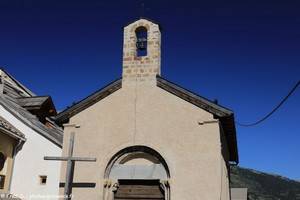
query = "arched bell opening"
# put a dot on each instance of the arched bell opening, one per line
(141, 41)
(134, 168)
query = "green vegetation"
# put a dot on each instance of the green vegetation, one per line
(263, 186)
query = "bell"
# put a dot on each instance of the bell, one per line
(141, 43)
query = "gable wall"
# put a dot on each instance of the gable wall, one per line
(142, 114)
(29, 163)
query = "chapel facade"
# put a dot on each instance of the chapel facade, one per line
(152, 138)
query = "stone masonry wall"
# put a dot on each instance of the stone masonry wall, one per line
(143, 68)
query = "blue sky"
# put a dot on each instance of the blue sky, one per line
(243, 53)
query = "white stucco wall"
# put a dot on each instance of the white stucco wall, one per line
(29, 163)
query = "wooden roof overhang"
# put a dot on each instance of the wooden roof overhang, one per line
(8, 129)
(38, 104)
(53, 135)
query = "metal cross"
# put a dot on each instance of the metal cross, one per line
(142, 10)
(70, 166)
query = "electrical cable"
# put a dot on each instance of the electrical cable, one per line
(274, 110)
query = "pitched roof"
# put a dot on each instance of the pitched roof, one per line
(19, 100)
(54, 134)
(13, 87)
(10, 130)
(225, 115)
(38, 105)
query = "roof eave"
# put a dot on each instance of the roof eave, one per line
(13, 135)
(228, 125)
(65, 115)
(193, 98)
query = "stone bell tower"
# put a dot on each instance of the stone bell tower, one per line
(141, 51)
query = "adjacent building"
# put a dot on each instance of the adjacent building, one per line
(239, 193)
(27, 134)
(11, 141)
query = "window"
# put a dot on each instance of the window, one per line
(2, 181)
(2, 176)
(43, 180)
(2, 160)
(141, 41)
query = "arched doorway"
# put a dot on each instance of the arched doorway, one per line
(137, 172)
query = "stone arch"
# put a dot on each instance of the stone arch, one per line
(136, 163)
(136, 25)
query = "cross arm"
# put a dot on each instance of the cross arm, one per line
(56, 158)
(82, 159)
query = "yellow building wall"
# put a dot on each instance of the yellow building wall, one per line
(7, 148)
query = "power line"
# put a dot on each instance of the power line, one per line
(274, 110)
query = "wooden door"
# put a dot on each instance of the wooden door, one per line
(139, 190)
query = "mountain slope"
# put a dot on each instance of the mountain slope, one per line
(263, 186)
